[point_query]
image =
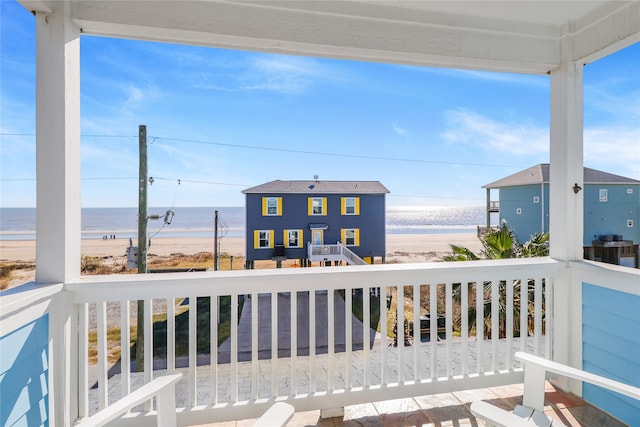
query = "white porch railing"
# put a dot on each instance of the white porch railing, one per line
(337, 252)
(331, 367)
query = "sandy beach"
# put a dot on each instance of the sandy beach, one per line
(400, 247)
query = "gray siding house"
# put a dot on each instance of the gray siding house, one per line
(316, 221)
(611, 204)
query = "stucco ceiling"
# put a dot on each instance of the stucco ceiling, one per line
(519, 36)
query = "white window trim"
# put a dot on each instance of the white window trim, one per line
(297, 238)
(276, 206)
(313, 213)
(346, 205)
(347, 230)
(268, 239)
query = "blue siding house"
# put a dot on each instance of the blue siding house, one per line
(315, 221)
(611, 204)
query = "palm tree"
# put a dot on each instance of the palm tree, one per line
(500, 244)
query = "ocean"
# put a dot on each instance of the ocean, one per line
(20, 223)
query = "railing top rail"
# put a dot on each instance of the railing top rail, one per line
(610, 276)
(108, 288)
(25, 303)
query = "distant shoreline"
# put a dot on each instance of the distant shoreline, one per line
(400, 247)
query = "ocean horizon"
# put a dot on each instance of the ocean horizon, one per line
(20, 223)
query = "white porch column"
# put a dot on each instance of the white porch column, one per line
(566, 207)
(58, 195)
(57, 145)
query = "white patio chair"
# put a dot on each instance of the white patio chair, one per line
(531, 412)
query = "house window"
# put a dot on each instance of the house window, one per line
(271, 206)
(262, 239)
(293, 238)
(350, 206)
(351, 236)
(604, 196)
(317, 206)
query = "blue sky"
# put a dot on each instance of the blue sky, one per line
(220, 121)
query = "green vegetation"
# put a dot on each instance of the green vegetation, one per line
(500, 244)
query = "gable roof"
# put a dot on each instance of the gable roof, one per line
(539, 174)
(318, 187)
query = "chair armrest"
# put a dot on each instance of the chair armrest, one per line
(498, 417)
(278, 415)
(577, 374)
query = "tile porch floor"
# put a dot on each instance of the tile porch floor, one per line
(450, 409)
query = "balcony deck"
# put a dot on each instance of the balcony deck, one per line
(449, 409)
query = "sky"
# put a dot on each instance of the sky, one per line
(220, 121)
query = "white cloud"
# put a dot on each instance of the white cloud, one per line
(470, 128)
(399, 130)
(614, 149)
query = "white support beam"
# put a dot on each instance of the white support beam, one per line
(371, 32)
(57, 146)
(566, 207)
(610, 31)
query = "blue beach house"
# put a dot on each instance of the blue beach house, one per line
(316, 221)
(611, 209)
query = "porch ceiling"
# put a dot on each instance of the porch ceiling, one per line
(518, 36)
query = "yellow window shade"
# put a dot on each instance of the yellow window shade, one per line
(343, 236)
(343, 205)
(271, 242)
(285, 238)
(264, 206)
(357, 237)
(357, 205)
(324, 206)
(256, 239)
(279, 206)
(310, 206)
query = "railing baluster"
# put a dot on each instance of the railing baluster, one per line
(537, 315)
(125, 355)
(400, 331)
(312, 342)
(294, 342)
(193, 350)
(524, 312)
(255, 302)
(148, 345)
(83, 360)
(366, 334)
(433, 328)
(234, 348)
(274, 344)
(348, 342)
(495, 322)
(384, 330)
(213, 348)
(416, 333)
(330, 338)
(171, 334)
(449, 324)
(479, 325)
(464, 325)
(548, 316)
(509, 322)
(103, 386)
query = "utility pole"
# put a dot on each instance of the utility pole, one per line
(142, 240)
(215, 241)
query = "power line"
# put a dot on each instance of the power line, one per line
(321, 153)
(294, 151)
